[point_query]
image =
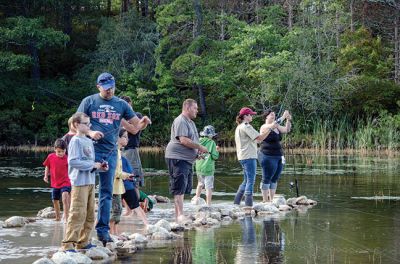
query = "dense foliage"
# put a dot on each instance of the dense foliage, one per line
(335, 64)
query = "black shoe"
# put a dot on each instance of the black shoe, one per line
(106, 240)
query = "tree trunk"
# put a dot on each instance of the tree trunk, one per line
(108, 8)
(35, 74)
(256, 10)
(352, 15)
(396, 48)
(198, 23)
(124, 6)
(290, 14)
(145, 7)
(222, 27)
(67, 18)
(337, 21)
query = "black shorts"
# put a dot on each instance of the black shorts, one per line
(131, 199)
(180, 176)
(56, 193)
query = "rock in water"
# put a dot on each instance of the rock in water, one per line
(96, 254)
(164, 224)
(43, 261)
(175, 227)
(138, 238)
(284, 207)
(80, 258)
(47, 212)
(266, 208)
(63, 258)
(279, 200)
(198, 201)
(14, 221)
(161, 199)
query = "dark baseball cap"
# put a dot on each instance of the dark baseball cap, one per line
(106, 80)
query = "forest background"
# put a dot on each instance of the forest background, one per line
(335, 64)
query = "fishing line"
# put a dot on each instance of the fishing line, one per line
(341, 237)
(58, 95)
(359, 211)
(215, 178)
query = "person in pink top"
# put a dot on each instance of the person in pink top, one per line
(56, 164)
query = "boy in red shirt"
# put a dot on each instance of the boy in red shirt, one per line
(57, 165)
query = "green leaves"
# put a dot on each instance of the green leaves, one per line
(13, 62)
(21, 31)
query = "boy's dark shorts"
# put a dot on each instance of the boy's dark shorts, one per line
(131, 199)
(180, 176)
(57, 192)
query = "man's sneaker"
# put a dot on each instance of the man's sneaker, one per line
(106, 240)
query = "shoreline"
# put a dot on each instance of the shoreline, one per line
(4, 149)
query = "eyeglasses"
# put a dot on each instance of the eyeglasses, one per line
(86, 123)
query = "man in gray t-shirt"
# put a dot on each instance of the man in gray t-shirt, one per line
(181, 152)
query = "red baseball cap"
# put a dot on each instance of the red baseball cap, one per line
(246, 111)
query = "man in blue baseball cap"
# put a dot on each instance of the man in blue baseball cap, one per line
(107, 112)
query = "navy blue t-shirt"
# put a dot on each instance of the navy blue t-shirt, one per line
(105, 116)
(126, 167)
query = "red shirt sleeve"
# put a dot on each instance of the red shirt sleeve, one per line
(46, 163)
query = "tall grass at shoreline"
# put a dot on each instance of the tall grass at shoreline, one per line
(374, 136)
(380, 135)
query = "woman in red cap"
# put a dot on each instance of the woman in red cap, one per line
(246, 139)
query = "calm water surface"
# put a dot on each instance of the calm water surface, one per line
(347, 226)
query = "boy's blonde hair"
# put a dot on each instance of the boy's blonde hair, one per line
(70, 123)
(77, 118)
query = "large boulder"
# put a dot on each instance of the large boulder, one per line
(96, 254)
(225, 212)
(302, 200)
(15, 221)
(164, 224)
(151, 229)
(43, 261)
(198, 201)
(137, 238)
(284, 207)
(47, 212)
(161, 199)
(265, 208)
(279, 200)
(176, 227)
(161, 234)
(63, 258)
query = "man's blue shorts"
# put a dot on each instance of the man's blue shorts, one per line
(57, 192)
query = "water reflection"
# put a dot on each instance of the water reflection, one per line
(204, 250)
(271, 245)
(182, 252)
(247, 250)
(272, 242)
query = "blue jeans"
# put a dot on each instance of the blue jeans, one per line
(271, 170)
(249, 175)
(106, 180)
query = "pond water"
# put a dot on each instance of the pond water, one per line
(357, 219)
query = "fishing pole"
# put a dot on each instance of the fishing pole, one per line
(292, 184)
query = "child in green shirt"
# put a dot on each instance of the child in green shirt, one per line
(205, 167)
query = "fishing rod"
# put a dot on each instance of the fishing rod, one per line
(292, 184)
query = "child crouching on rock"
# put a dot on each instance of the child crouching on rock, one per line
(81, 166)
